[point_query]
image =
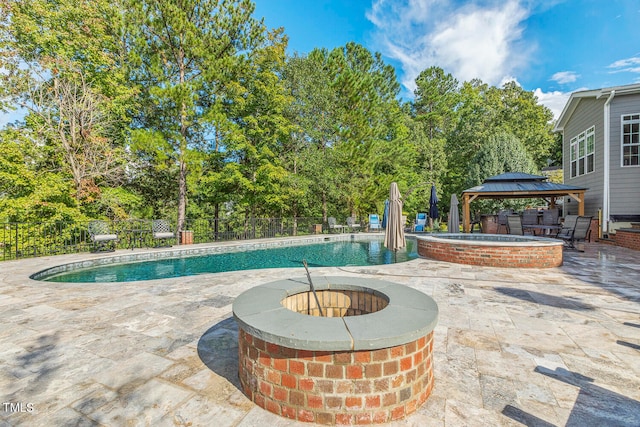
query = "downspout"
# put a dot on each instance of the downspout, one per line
(604, 226)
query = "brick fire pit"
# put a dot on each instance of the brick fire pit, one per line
(368, 359)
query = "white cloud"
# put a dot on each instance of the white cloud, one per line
(554, 100)
(564, 77)
(628, 65)
(469, 41)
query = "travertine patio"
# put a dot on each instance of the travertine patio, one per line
(557, 346)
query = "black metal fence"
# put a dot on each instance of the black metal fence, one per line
(23, 240)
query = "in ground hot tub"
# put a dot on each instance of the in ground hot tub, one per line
(492, 250)
(368, 359)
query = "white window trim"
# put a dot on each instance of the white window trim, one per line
(582, 136)
(622, 145)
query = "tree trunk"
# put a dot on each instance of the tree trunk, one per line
(324, 206)
(182, 195)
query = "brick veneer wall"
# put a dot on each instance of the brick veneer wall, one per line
(345, 387)
(492, 256)
(628, 238)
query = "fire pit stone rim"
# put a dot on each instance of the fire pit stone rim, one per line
(409, 314)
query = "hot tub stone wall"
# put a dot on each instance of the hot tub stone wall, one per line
(343, 387)
(529, 256)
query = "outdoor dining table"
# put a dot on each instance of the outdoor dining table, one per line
(545, 228)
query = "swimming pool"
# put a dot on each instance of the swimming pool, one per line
(325, 254)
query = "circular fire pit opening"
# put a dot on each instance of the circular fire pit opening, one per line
(368, 359)
(336, 303)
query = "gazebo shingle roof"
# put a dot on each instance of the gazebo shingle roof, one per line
(519, 185)
(514, 183)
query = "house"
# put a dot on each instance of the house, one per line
(601, 151)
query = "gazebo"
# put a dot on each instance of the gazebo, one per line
(518, 185)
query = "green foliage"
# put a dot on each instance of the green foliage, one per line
(501, 153)
(28, 194)
(484, 111)
(137, 107)
(189, 60)
(349, 128)
(17, 179)
(62, 63)
(117, 204)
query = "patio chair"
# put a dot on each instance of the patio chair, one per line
(352, 224)
(374, 222)
(421, 222)
(514, 225)
(102, 239)
(530, 217)
(502, 220)
(579, 233)
(476, 220)
(568, 224)
(550, 217)
(333, 225)
(161, 232)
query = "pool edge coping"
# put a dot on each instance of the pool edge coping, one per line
(523, 240)
(151, 254)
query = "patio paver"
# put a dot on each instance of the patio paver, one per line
(557, 346)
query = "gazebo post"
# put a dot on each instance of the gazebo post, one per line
(466, 213)
(581, 204)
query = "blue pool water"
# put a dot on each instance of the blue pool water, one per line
(330, 254)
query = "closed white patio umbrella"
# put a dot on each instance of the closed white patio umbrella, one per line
(394, 233)
(453, 224)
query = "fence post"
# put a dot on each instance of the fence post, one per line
(16, 240)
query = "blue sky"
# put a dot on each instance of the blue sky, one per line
(551, 47)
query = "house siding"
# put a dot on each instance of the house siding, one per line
(589, 112)
(624, 181)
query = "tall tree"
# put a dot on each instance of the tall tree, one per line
(436, 99)
(62, 63)
(371, 137)
(500, 153)
(188, 60)
(435, 106)
(250, 170)
(529, 121)
(485, 111)
(308, 155)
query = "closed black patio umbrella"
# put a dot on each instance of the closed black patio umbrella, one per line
(433, 205)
